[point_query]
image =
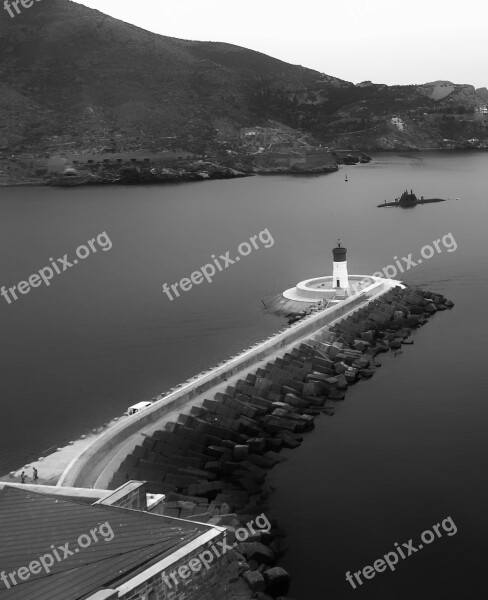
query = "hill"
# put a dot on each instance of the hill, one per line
(73, 78)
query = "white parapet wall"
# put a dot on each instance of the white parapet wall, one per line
(80, 467)
(324, 288)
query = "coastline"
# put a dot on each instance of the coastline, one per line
(181, 177)
(209, 171)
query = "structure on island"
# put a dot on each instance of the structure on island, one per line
(408, 199)
(71, 177)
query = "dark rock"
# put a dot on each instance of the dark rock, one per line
(366, 373)
(254, 580)
(277, 581)
(241, 452)
(274, 444)
(342, 381)
(265, 462)
(257, 445)
(288, 441)
(257, 551)
(336, 395)
(340, 368)
(351, 376)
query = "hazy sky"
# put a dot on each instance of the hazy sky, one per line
(386, 41)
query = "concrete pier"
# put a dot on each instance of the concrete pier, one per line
(92, 462)
(217, 454)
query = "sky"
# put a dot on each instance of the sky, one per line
(385, 41)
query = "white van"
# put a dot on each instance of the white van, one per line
(132, 410)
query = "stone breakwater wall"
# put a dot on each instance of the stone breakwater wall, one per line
(212, 463)
(84, 468)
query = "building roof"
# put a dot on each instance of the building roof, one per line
(33, 525)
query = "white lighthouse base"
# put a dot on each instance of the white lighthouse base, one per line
(323, 288)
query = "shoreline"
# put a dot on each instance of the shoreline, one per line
(186, 178)
(222, 172)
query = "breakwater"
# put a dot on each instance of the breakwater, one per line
(214, 460)
(93, 462)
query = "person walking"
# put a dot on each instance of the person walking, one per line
(34, 476)
(22, 477)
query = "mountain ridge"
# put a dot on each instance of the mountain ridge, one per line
(73, 76)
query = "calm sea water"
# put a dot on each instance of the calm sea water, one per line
(404, 451)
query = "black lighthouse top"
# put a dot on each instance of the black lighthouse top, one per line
(339, 253)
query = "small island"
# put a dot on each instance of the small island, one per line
(408, 199)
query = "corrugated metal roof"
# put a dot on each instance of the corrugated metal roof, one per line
(32, 525)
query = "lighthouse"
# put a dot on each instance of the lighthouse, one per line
(340, 278)
(330, 290)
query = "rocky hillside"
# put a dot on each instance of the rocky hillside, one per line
(72, 78)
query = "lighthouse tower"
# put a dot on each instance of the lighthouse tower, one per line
(340, 278)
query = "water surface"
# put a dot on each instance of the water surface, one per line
(404, 451)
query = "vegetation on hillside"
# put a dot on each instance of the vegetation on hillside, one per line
(75, 79)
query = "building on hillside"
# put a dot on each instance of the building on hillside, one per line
(139, 158)
(273, 140)
(294, 159)
(57, 164)
(398, 123)
(289, 146)
(480, 113)
(57, 547)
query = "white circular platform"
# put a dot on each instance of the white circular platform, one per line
(321, 288)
